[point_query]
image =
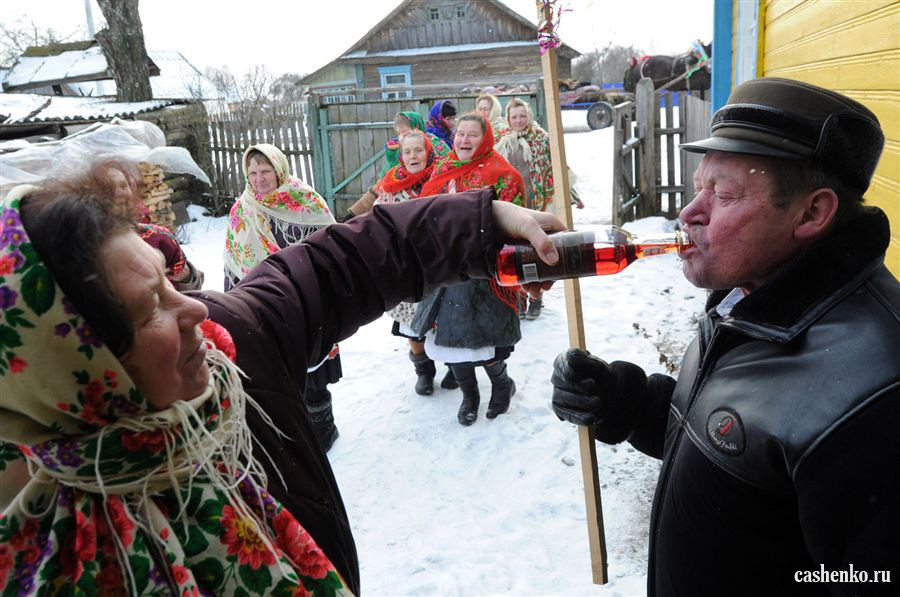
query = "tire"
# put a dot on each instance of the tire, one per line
(599, 116)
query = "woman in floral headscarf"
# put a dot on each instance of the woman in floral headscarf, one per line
(127, 434)
(402, 183)
(527, 148)
(474, 324)
(122, 429)
(277, 210)
(440, 121)
(404, 123)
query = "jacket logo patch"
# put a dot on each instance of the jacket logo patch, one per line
(725, 431)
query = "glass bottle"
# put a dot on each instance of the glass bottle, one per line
(583, 253)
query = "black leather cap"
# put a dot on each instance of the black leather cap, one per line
(788, 119)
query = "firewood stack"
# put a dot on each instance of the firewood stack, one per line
(156, 195)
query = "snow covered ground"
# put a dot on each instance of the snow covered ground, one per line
(498, 508)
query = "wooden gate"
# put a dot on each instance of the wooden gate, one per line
(349, 137)
(651, 177)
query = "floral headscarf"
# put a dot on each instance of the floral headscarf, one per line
(392, 147)
(436, 124)
(535, 145)
(294, 211)
(399, 178)
(117, 497)
(486, 168)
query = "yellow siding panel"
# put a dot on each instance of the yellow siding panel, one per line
(871, 71)
(871, 33)
(778, 9)
(796, 20)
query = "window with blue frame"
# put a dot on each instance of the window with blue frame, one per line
(395, 76)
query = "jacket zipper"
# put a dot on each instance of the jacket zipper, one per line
(706, 351)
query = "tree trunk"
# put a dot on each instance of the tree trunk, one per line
(123, 45)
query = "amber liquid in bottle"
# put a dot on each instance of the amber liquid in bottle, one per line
(582, 254)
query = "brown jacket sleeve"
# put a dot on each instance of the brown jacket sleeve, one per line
(310, 295)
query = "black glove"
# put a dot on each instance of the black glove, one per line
(610, 396)
(347, 217)
(581, 383)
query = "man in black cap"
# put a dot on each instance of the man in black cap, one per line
(780, 440)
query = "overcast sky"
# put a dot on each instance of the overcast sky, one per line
(302, 35)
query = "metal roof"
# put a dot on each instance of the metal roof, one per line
(20, 108)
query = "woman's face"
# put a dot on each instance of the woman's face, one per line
(402, 128)
(121, 184)
(263, 179)
(518, 118)
(467, 139)
(414, 153)
(484, 106)
(167, 360)
(449, 121)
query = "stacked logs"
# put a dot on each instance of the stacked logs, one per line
(157, 195)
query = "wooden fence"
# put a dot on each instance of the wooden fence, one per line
(231, 133)
(349, 138)
(651, 176)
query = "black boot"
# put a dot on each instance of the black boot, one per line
(449, 382)
(502, 389)
(318, 404)
(468, 410)
(534, 309)
(425, 371)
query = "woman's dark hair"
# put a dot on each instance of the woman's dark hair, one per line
(448, 109)
(259, 156)
(68, 223)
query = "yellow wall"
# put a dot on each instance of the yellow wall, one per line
(853, 47)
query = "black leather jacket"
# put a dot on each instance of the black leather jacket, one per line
(781, 450)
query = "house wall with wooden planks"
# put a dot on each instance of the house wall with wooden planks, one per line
(455, 22)
(854, 49)
(512, 66)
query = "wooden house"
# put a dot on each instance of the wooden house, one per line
(439, 46)
(850, 47)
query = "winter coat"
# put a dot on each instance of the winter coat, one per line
(289, 310)
(781, 432)
(468, 315)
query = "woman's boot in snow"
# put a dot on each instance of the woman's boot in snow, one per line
(449, 382)
(425, 373)
(502, 389)
(318, 404)
(468, 383)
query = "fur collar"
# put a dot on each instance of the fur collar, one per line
(844, 256)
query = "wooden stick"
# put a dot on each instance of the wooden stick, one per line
(594, 510)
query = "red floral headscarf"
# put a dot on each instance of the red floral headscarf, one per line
(491, 166)
(399, 178)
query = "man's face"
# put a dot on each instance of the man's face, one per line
(740, 237)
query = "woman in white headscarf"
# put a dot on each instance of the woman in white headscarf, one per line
(490, 108)
(277, 210)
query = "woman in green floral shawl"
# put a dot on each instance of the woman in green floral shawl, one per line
(118, 477)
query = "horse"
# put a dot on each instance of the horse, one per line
(689, 71)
